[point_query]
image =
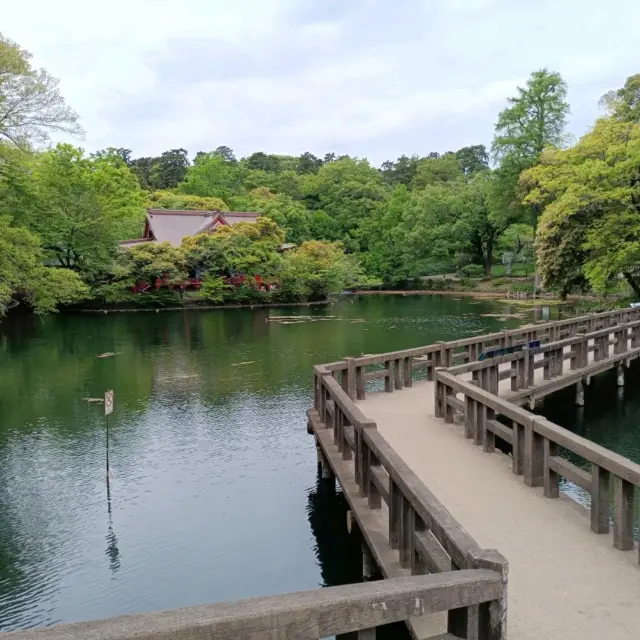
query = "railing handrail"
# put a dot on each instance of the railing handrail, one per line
(306, 614)
(379, 358)
(590, 451)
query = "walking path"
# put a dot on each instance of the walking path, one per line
(565, 582)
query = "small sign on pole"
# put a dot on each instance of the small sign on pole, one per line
(108, 402)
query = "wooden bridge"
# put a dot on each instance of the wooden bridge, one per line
(398, 431)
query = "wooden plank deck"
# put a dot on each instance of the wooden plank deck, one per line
(565, 582)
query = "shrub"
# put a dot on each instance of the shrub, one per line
(472, 271)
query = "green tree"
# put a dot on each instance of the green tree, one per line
(24, 278)
(169, 169)
(590, 197)
(31, 107)
(347, 191)
(402, 171)
(79, 207)
(317, 269)
(308, 163)
(436, 170)
(624, 104)
(472, 159)
(385, 239)
(181, 201)
(289, 214)
(210, 176)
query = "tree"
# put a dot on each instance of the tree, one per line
(316, 269)
(181, 201)
(226, 153)
(250, 249)
(402, 171)
(289, 214)
(590, 197)
(210, 176)
(624, 104)
(261, 160)
(23, 276)
(434, 170)
(385, 239)
(79, 207)
(535, 118)
(31, 107)
(152, 260)
(472, 159)
(169, 169)
(308, 163)
(346, 191)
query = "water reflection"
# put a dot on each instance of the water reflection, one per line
(208, 452)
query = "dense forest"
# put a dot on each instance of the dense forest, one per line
(536, 194)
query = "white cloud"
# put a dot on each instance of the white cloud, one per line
(366, 77)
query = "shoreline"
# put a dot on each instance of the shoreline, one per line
(205, 307)
(498, 295)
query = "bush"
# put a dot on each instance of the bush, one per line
(472, 271)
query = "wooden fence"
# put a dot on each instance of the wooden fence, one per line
(398, 368)
(536, 446)
(306, 615)
(424, 534)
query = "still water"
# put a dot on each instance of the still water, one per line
(213, 492)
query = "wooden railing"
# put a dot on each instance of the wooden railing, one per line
(306, 615)
(398, 368)
(551, 357)
(427, 538)
(536, 443)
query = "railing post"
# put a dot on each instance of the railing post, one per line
(360, 383)
(491, 620)
(388, 379)
(514, 375)
(407, 531)
(533, 456)
(518, 449)
(397, 369)
(551, 478)
(395, 514)
(375, 499)
(547, 365)
(635, 337)
(469, 417)
(622, 514)
(362, 462)
(448, 409)
(600, 499)
(348, 380)
(439, 396)
(408, 371)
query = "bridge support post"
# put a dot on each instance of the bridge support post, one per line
(368, 563)
(620, 374)
(326, 470)
(580, 393)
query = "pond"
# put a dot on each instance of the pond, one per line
(213, 492)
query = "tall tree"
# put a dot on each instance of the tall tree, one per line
(590, 195)
(436, 169)
(211, 176)
(535, 118)
(31, 107)
(169, 169)
(473, 159)
(308, 163)
(226, 153)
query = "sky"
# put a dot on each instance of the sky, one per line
(368, 78)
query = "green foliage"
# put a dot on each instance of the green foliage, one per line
(24, 278)
(180, 201)
(214, 289)
(624, 104)
(436, 170)
(152, 260)
(31, 107)
(472, 270)
(590, 196)
(318, 269)
(79, 207)
(210, 176)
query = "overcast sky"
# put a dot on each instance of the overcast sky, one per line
(374, 78)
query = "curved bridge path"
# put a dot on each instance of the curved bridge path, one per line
(565, 582)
